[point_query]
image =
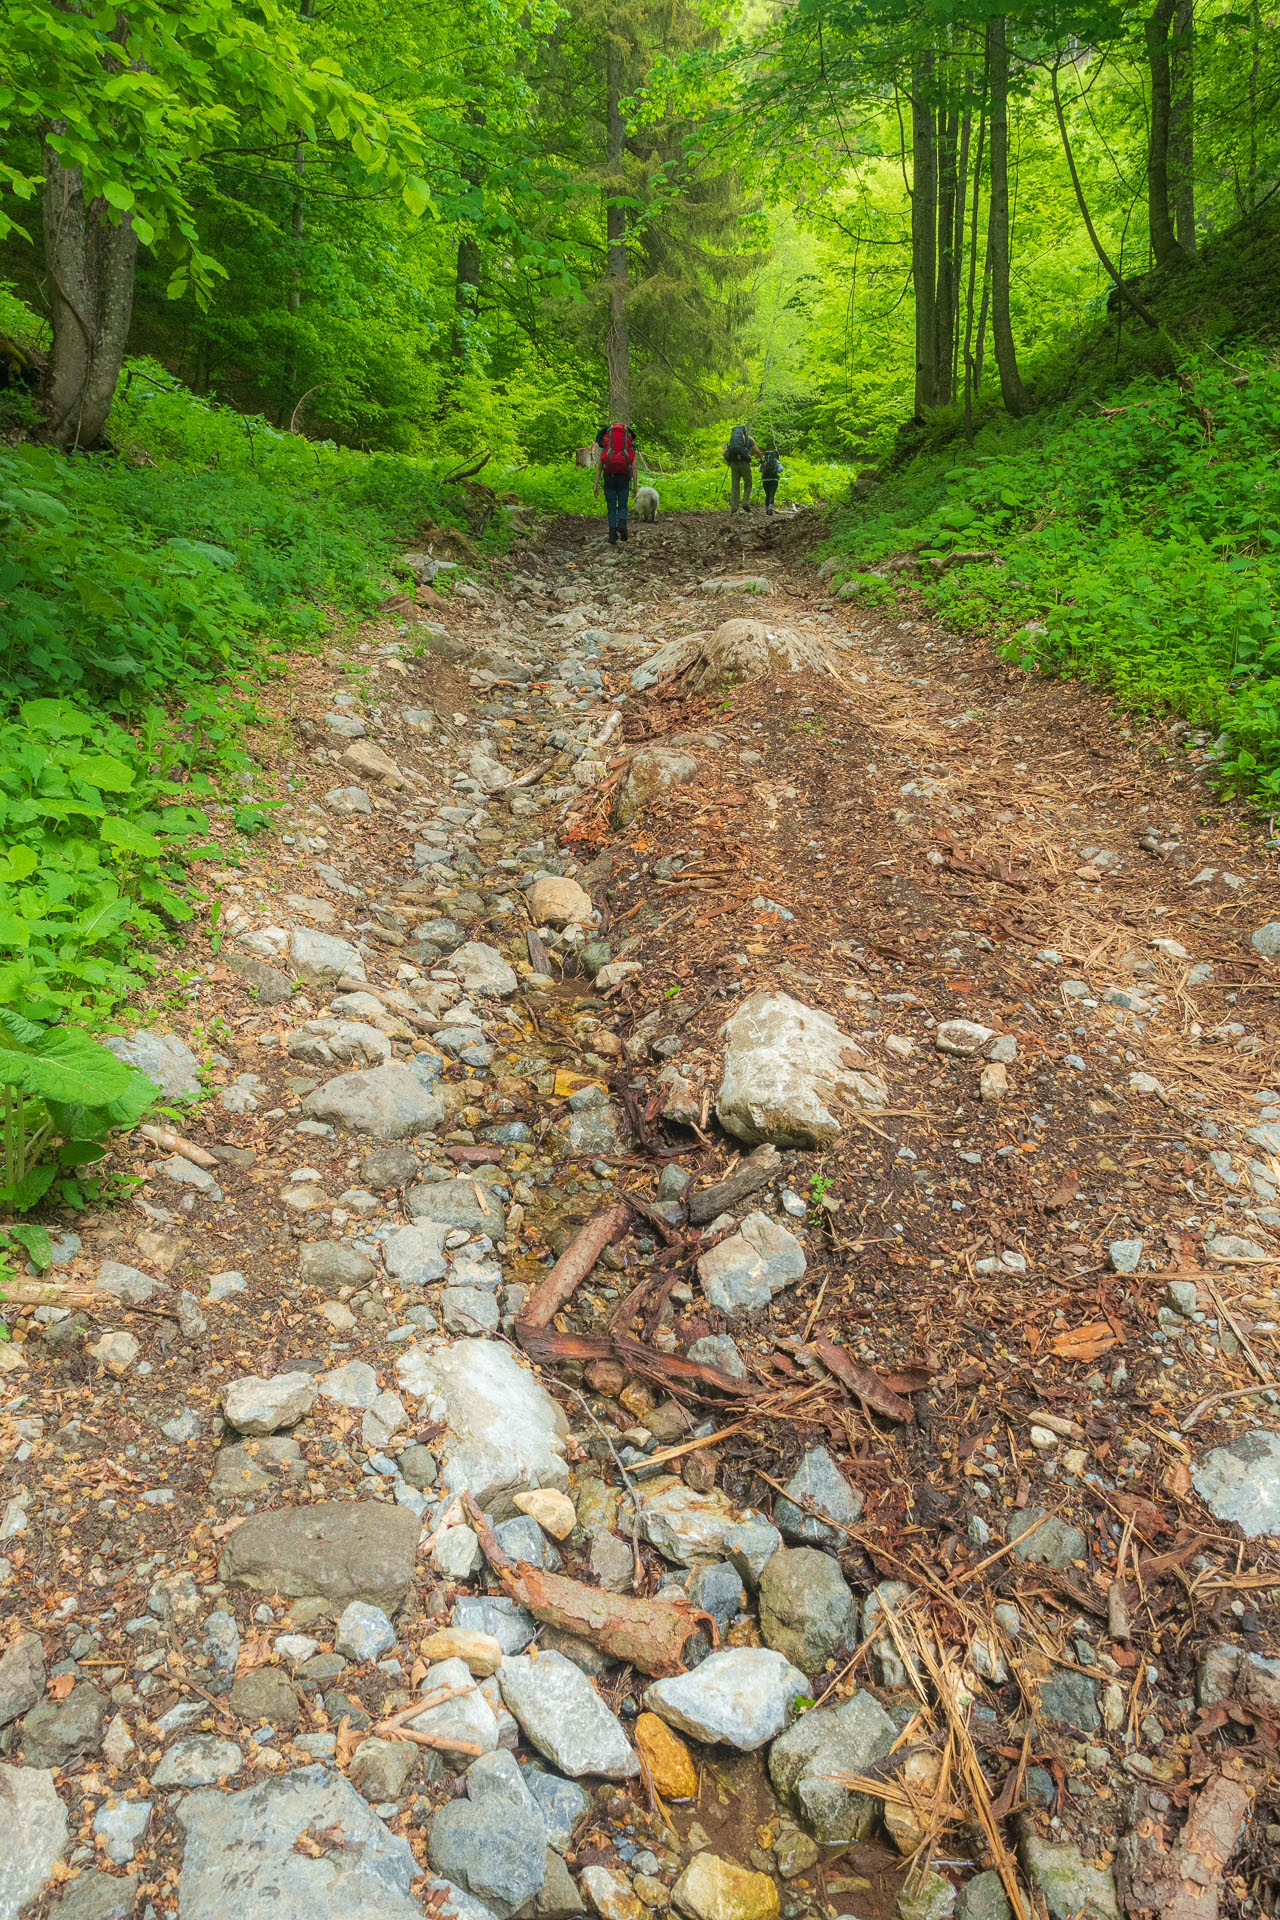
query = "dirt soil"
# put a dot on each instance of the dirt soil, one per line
(922, 836)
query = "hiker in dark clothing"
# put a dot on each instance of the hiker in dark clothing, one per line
(616, 466)
(739, 451)
(770, 474)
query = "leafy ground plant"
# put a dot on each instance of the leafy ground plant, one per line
(61, 1095)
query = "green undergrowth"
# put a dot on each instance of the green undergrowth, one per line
(1135, 544)
(145, 592)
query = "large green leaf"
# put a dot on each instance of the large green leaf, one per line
(130, 838)
(71, 1066)
(104, 771)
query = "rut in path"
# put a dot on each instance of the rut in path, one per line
(1058, 1243)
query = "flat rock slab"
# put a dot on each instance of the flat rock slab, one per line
(21, 1677)
(1241, 1482)
(1053, 1544)
(33, 1835)
(253, 1405)
(241, 1854)
(741, 1696)
(339, 1550)
(482, 969)
(564, 1717)
(386, 1103)
(788, 1070)
(505, 1434)
(458, 1202)
(687, 1526)
(747, 1269)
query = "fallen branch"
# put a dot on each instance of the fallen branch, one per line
(465, 473)
(172, 1142)
(757, 1170)
(671, 1371)
(572, 1268)
(525, 779)
(649, 1634)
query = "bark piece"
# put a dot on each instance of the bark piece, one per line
(757, 1170)
(574, 1264)
(649, 1634)
(1182, 1882)
(863, 1383)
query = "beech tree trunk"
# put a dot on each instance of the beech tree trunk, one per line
(91, 265)
(948, 280)
(924, 232)
(617, 344)
(1012, 392)
(1164, 241)
(1182, 101)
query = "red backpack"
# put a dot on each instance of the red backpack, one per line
(618, 453)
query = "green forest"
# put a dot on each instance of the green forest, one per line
(1002, 287)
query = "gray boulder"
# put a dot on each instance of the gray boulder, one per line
(563, 1716)
(1053, 1543)
(1069, 1887)
(505, 1434)
(253, 1405)
(652, 770)
(816, 1493)
(496, 1848)
(327, 1263)
(163, 1058)
(271, 987)
(60, 1731)
(848, 1738)
(33, 1835)
(787, 1073)
(741, 1697)
(97, 1896)
(455, 1203)
(241, 1854)
(746, 1270)
(338, 1550)
(1241, 1482)
(387, 1103)
(482, 969)
(807, 1612)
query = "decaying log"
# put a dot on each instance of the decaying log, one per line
(573, 1266)
(649, 1634)
(757, 1170)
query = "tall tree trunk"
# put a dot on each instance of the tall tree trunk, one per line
(970, 366)
(618, 344)
(957, 244)
(1182, 117)
(924, 231)
(297, 229)
(1012, 392)
(465, 294)
(948, 271)
(91, 266)
(1122, 286)
(1164, 241)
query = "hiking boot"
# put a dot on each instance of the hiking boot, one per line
(622, 533)
(613, 536)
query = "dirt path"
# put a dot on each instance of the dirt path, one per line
(1059, 1243)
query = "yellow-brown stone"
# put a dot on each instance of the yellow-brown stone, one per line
(670, 1764)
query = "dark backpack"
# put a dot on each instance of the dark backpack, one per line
(770, 467)
(618, 449)
(739, 444)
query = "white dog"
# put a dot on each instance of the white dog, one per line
(647, 502)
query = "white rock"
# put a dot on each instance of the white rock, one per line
(964, 1037)
(482, 969)
(564, 1717)
(120, 1827)
(199, 1760)
(687, 1526)
(415, 1254)
(747, 1269)
(115, 1351)
(355, 1385)
(456, 1554)
(33, 1835)
(468, 1716)
(505, 1434)
(557, 902)
(348, 800)
(322, 956)
(255, 1405)
(740, 1697)
(788, 1070)
(329, 1042)
(383, 1419)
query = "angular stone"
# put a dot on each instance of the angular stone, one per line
(983, 1898)
(339, 1550)
(319, 957)
(717, 1590)
(1070, 1700)
(963, 1037)
(381, 1769)
(711, 1888)
(741, 1696)
(553, 1511)
(33, 1835)
(718, 1350)
(494, 1847)
(364, 1633)
(262, 1696)
(387, 1167)
(97, 1896)
(458, 1202)
(416, 1254)
(60, 1731)
(651, 771)
(504, 1432)
(749, 1546)
(609, 1891)
(271, 987)
(670, 1764)
(806, 1610)
(564, 1717)
(505, 1620)
(384, 1417)
(562, 1802)
(467, 1716)
(817, 1488)
(1053, 1544)
(253, 1405)
(481, 1651)
(119, 1827)
(557, 1898)
(329, 1042)
(746, 1270)
(387, 1103)
(786, 1073)
(327, 1263)
(165, 1059)
(349, 800)
(482, 969)
(1231, 1672)
(241, 1854)
(366, 758)
(355, 1385)
(22, 1677)
(845, 1739)
(469, 1310)
(686, 1526)
(1070, 1888)
(199, 1760)
(930, 1897)
(255, 1466)
(1241, 1482)
(128, 1283)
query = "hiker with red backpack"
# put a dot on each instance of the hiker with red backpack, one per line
(616, 466)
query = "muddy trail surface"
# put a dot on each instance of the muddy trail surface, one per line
(700, 1334)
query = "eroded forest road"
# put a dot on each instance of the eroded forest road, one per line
(943, 1419)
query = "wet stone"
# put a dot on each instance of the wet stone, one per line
(806, 1610)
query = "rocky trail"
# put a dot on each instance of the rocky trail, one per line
(698, 1330)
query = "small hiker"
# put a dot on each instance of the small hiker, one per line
(770, 474)
(739, 451)
(617, 464)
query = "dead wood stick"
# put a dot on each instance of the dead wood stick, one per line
(574, 1264)
(386, 1730)
(756, 1171)
(1117, 1612)
(863, 1384)
(669, 1370)
(649, 1634)
(172, 1142)
(527, 778)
